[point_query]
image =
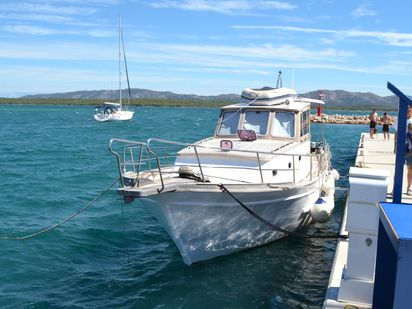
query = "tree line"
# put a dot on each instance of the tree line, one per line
(155, 102)
(97, 102)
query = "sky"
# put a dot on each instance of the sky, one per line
(205, 47)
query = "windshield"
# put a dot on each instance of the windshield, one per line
(256, 121)
(229, 124)
(283, 124)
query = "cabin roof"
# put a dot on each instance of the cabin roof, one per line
(111, 104)
(292, 106)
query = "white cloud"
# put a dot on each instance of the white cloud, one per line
(388, 38)
(51, 79)
(46, 18)
(224, 7)
(30, 30)
(66, 51)
(362, 11)
(44, 8)
(233, 56)
(36, 18)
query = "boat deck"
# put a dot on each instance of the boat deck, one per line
(375, 153)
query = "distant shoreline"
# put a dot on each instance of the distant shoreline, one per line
(97, 102)
(144, 102)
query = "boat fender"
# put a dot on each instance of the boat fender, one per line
(328, 186)
(335, 174)
(321, 211)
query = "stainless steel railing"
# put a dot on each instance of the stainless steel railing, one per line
(147, 153)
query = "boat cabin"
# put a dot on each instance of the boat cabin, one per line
(290, 121)
(110, 108)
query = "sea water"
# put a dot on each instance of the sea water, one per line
(54, 160)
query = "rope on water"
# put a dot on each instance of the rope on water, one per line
(62, 222)
(276, 228)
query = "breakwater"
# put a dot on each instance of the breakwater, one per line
(345, 119)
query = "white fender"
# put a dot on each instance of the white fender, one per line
(324, 205)
(329, 182)
(335, 174)
(322, 209)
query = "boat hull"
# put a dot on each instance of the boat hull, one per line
(119, 116)
(207, 223)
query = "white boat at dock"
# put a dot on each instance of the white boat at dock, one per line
(260, 177)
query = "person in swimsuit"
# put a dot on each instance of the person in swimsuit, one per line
(386, 122)
(408, 158)
(373, 118)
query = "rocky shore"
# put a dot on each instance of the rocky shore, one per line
(345, 119)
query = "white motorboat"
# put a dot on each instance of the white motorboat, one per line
(257, 179)
(117, 111)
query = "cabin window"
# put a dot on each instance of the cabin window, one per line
(305, 123)
(256, 121)
(229, 123)
(283, 124)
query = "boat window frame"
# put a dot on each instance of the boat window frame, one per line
(305, 122)
(268, 120)
(221, 119)
(298, 123)
(295, 124)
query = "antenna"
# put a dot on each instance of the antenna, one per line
(279, 80)
(293, 78)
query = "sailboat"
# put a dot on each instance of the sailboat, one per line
(111, 111)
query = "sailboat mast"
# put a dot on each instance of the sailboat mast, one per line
(120, 59)
(129, 99)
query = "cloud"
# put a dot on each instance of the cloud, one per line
(235, 56)
(47, 31)
(223, 7)
(43, 18)
(30, 30)
(173, 60)
(51, 79)
(362, 11)
(387, 38)
(45, 8)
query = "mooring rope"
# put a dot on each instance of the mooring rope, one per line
(276, 228)
(61, 222)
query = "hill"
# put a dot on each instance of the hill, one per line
(136, 94)
(335, 99)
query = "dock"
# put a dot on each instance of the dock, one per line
(352, 277)
(378, 153)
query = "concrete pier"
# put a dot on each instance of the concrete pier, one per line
(345, 119)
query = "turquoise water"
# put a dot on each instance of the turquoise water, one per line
(55, 159)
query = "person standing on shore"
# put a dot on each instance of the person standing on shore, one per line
(373, 118)
(395, 133)
(385, 122)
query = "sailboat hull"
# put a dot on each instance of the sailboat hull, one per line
(118, 116)
(209, 223)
